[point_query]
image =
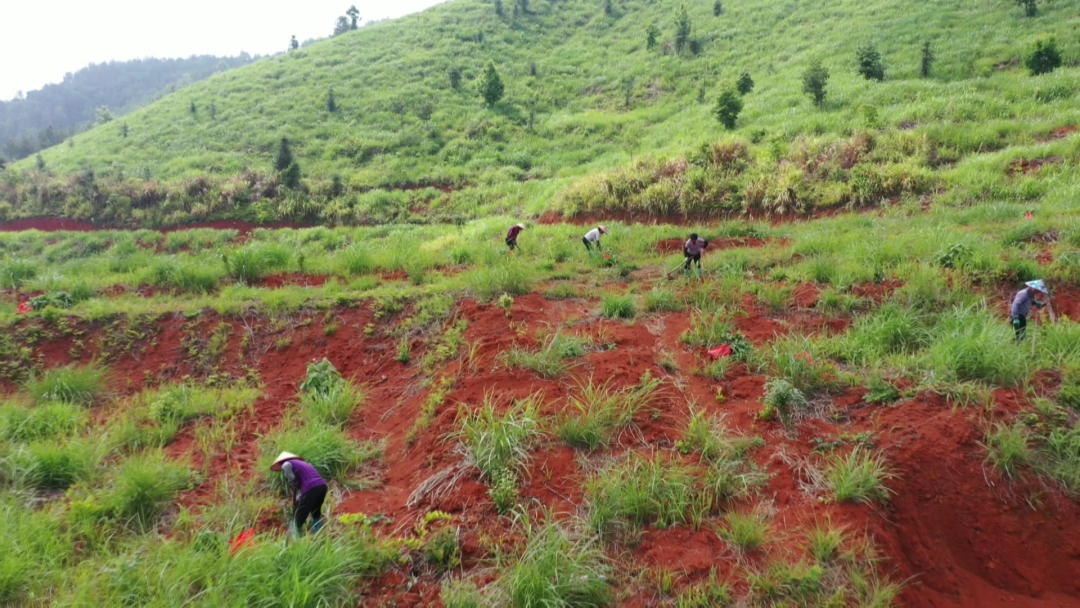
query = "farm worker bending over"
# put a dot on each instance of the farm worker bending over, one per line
(1021, 306)
(308, 489)
(692, 250)
(592, 237)
(512, 234)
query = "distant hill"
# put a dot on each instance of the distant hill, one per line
(410, 139)
(47, 116)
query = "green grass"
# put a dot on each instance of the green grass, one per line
(746, 532)
(497, 442)
(72, 385)
(660, 299)
(249, 263)
(825, 541)
(49, 465)
(708, 330)
(1008, 449)
(48, 421)
(640, 490)
(859, 476)
(782, 400)
(143, 487)
(596, 411)
(615, 306)
(559, 566)
(552, 359)
(510, 277)
(333, 406)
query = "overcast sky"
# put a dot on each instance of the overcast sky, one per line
(44, 40)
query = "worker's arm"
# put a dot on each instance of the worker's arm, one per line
(291, 479)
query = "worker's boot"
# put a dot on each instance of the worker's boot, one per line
(316, 525)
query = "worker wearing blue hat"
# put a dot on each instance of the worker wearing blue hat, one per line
(1022, 303)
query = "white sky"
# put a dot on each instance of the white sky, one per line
(44, 40)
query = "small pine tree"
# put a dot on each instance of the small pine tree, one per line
(290, 177)
(1030, 9)
(682, 28)
(39, 162)
(927, 60)
(1044, 58)
(499, 8)
(717, 8)
(193, 109)
(628, 91)
(284, 155)
(455, 78)
(354, 17)
(212, 110)
(124, 130)
(653, 35)
(293, 44)
(533, 71)
(491, 85)
(745, 83)
(341, 26)
(869, 64)
(609, 8)
(814, 81)
(331, 103)
(728, 107)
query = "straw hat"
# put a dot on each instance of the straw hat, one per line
(1038, 285)
(522, 226)
(284, 456)
(603, 229)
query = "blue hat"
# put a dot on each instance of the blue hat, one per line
(1038, 285)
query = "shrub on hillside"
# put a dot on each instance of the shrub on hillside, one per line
(728, 107)
(745, 83)
(869, 63)
(814, 81)
(1044, 58)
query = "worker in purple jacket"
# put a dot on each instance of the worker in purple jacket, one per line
(512, 234)
(308, 489)
(1021, 306)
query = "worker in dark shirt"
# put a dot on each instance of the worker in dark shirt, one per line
(512, 234)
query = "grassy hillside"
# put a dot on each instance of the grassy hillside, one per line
(584, 94)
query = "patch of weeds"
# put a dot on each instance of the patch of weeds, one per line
(801, 582)
(706, 594)
(782, 400)
(597, 411)
(559, 566)
(660, 299)
(504, 492)
(499, 443)
(1008, 449)
(456, 593)
(72, 385)
(859, 476)
(708, 330)
(824, 541)
(639, 490)
(436, 397)
(446, 345)
(509, 277)
(250, 263)
(47, 421)
(831, 443)
(49, 465)
(551, 360)
(775, 298)
(745, 532)
(837, 302)
(615, 306)
(404, 351)
(881, 392)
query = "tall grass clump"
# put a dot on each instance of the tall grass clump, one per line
(34, 548)
(144, 486)
(327, 448)
(797, 360)
(970, 345)
(746, 532)
(511, 278)
(859, 476)
(660, 299)
(782, 400)
(73, 385)
(616, 306)
(13, 273)
(1008, 449)
(709, 437)
(708, 330)
(332, 407)
(639, 490)
(596, 411)
(48, 421)
(252, 262)
(180, 404)
(356, 260)
(890, 330)
(551, 359)
(500, 443)
(560, 566)
(48, 465)
(185, 276)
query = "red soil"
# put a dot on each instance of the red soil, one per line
(956, 532)
(1028, 166)
(1061, 133)
(304, 280)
